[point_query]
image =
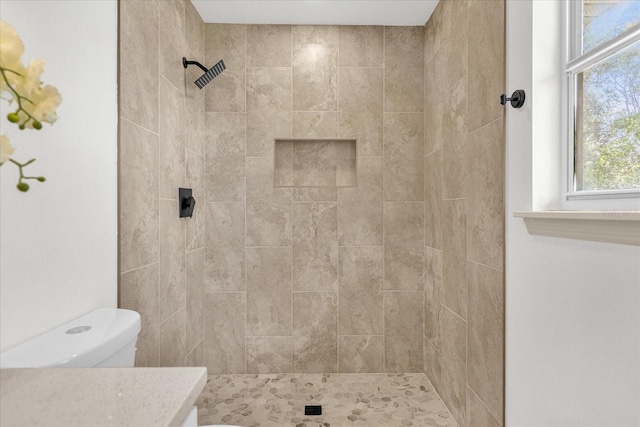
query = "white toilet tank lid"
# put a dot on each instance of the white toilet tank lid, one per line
(83, 342)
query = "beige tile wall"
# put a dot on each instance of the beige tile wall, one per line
(464, 208)
(161, 148)
(402, 273)
(326, 279)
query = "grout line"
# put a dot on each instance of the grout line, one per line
(246, 104)
(337, 216)
(483, 126)
(384, 332)
(156, 133)
(261, 247)
(434, 346)
(361, 335)
(484, 404)
(485, 265)
(139, 268)
(314, 292)
(158, 191)
(369, 68)
(457, 315)
(209, 292)
(291, 332)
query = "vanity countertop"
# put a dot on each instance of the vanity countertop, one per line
(99, 396)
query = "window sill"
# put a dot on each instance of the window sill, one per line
(622, 227)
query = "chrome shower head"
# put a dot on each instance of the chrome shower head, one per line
(208, 75)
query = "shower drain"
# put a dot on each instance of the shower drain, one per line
(313, 410)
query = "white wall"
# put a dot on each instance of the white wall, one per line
(58, 246)
(572, 307)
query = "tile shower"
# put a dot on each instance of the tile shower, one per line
(401, 273)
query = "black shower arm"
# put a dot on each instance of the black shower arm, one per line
(185, 63)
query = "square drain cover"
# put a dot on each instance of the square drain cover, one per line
(313, 410)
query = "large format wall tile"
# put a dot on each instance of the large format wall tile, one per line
(360, 279)
(268, 208)
(268, 45)
(359, 354)
(172, 253)
(454, 172)
(404, 68)
(268, 108)
(138, 88)
(315, 68)
(172, 340)
(268, 291)
(196, 357)
(403, 331)
(315, 246)
(433, 296)
(225, 151)
(453, 364)
(227, 42)
(433, 78)
(433, 200)
(360, 115)
(464, 207)
(195, 180)
(455, 43)
(433, 366)
(138, 225)
(486, 195)
(433, 34)
(224, 333)
(171, 137)
(194, 109)
(404, 157)
(360, 209)
(194, 299)
(323, 124)
(361, 46)
(194, 28)
(477, 413)
(224, 250)
(433, 104)
(486, 61)
(403, 246)
(454, 257)
(315, 346)
(318, 194)
(138, 291)
(486, 335)
(171, 38)
(433, 125)
(161, 146)
(269, 355)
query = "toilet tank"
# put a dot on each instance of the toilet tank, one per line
(105, 337)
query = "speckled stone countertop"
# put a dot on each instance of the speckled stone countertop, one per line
(99, 396)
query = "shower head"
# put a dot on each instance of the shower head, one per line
(208, 74)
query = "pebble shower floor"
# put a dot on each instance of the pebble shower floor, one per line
(276, 400)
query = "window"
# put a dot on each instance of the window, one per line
(603, 88)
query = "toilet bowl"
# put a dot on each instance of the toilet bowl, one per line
(102, 338)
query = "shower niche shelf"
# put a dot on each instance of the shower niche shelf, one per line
(315, 162)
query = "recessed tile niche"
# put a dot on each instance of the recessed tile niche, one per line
(315, 163)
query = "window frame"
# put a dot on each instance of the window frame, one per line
(574, 63)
